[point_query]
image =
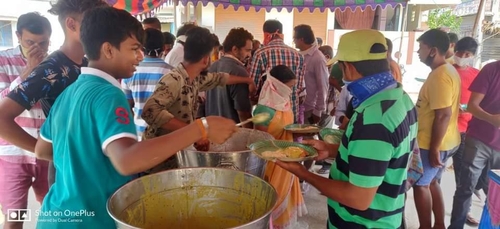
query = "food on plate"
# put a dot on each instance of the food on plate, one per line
(304, 128)
(293, 152)
(274, 154)
(261, 117)
(333, 139)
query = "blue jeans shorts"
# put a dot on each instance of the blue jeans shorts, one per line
(431, 173)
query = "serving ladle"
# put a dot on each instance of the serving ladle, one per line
(258, 118)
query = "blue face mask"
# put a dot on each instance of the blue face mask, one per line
(346, 82)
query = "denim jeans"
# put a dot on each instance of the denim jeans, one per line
(457, 166)
(476, 157)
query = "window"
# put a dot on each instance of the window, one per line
(6, 34)
(393, 18)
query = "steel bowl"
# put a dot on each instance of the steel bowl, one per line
(233, 154)
(201, 198)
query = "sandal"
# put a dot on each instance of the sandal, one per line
(471, 221)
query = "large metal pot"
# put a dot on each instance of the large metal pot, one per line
(194, 198)
(233, 154)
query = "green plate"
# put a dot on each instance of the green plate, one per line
(332, 136)
(299, 128)
(420, 79)
(272, 145)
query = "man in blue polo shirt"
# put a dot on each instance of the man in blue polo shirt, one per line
(141, 86)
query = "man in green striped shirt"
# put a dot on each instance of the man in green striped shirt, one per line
(366, 186)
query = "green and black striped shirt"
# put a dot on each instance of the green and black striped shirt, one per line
(374, 152)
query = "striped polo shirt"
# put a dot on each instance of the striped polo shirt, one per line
(12, 65)
(142, 84)
(375, 152)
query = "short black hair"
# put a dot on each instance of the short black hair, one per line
(34, 23)
(169, 38)
(453, 38)
(66, 8)
(320, 41)
(185, 28)
(107, 24)
(466, 44)
(272, 26)
(283, 73)
(372, 67)
(199, 44)
(436, 38)
(153, 42)
(236, 37)
(305, 33)
(216, 39)
(326, 50)
(389, 45)
(256, 45)
(155, 22)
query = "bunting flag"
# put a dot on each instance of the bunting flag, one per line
(140, 7)
(300, 5)
(137, 7)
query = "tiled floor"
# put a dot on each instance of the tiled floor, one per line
(316, 205)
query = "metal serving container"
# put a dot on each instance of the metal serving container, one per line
(194, 198)
(233, 154)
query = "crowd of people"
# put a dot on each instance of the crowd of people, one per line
(120, 98)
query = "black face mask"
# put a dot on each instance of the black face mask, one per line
(429, 59)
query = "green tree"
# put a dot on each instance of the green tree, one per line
(444, 18)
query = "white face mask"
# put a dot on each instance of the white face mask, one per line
(462, 62)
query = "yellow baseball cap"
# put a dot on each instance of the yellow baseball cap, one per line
(331, 61)
(355, 46)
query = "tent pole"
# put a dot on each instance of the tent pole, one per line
(403, 29)
(477, 33)
(174, 30)
(479, 19)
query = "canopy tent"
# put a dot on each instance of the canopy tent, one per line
(300, 5)
(145, 7)
(137, 7)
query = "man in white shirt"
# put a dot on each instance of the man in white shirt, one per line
(176, 55)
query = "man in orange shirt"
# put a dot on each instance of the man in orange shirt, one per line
(395, 70)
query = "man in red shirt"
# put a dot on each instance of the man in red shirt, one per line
(465, 49)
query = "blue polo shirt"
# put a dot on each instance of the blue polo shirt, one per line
(142, 85)
(87, 116)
